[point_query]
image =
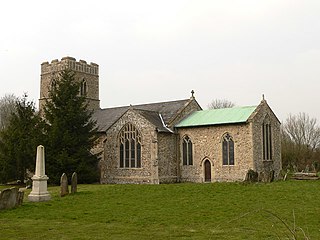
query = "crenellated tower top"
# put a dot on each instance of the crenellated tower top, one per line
(69, 63)
(86, 74)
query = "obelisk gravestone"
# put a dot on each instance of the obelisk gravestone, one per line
(39, 191)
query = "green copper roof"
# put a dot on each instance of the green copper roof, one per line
(218, 116)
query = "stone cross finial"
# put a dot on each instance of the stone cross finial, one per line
(192, 94)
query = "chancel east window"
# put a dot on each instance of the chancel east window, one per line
(266, 139)
(227, 150)
(187, 157)
(130, 147)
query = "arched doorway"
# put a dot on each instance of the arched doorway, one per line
(207, 171)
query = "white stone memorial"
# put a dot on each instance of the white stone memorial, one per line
(39, 191)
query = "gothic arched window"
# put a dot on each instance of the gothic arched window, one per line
(266, 139)
(130, 147)
(227, 150)
(187, 157)
(83, 88)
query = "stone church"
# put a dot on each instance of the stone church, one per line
(175, 141)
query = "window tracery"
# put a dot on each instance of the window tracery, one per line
(130, 147)
(227, 150)
(187, 155)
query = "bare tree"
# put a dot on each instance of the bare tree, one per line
(7, 106)
(303, 130)
(300, 141)
(220, 103)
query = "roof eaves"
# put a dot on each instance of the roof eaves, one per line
(211, 124)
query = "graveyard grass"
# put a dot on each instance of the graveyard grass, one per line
(276, 210)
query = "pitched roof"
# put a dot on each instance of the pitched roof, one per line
(218, 116)
(107, 117)
(154, 118)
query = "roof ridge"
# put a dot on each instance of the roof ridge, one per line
(145, 104)
(161, 102)
(236, 107)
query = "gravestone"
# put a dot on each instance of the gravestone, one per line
(39, 186)
(8, 198)
(64, 185)
(74, 182)
(20, 197)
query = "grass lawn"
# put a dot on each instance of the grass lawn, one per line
(175, 211)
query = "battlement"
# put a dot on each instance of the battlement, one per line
(69, 63)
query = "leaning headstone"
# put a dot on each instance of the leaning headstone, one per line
(64, 185)
(13, 201)
(74, 182)
(39, 191)
(4, 198)
(8, 198)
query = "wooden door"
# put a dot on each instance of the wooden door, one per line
(207, 171)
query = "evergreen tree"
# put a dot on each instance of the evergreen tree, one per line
(70, 132)
(19, 141)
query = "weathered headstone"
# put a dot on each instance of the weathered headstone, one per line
(39, 191)
(74, 182)
(20, 197)
(8, 198)
(64, 185)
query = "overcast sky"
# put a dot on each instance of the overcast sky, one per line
(151, 51)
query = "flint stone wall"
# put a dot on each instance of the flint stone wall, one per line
(167, 154)
(266, 169)
(148, 173)
(207, 144)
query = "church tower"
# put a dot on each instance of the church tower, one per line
(86, 74)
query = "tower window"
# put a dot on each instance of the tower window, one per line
(83, 88)
(53, 84)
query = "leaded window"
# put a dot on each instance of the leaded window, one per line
(266, 139)
(227, 150)
(130, 147)
(187, 157)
